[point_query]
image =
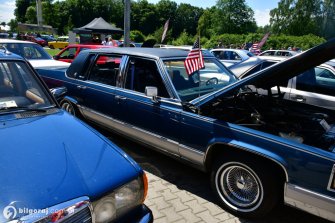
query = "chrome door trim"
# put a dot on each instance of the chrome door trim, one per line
(310, 201)
(149, 138)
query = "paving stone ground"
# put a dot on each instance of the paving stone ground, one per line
(181, 194)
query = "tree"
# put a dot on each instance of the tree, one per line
(327, 19)
(234, 16)
(20, 10)
(205, 23)
(187, 17)
(12, 25)
(296, 17)
(166, 9)
(31, 15)
(143, 17)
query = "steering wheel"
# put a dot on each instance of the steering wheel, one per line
(212, 80)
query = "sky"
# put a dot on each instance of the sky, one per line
(261, 8)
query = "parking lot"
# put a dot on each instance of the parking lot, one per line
(179, 193)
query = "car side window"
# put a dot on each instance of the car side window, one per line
(68, 53)
(235, 56)
(31, 53)
(316, 80)
(143, 73)
(105, 69)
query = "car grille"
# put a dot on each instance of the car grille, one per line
(78, 210)
(83, 216)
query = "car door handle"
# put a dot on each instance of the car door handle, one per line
(118, 97)
(81, 87)
(299, 98)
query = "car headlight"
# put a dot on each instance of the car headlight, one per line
(121, 200)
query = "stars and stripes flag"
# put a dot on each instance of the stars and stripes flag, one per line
(256, 47)
(165, 29)
(194, 60)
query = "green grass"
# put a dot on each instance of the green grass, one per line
(52, 52)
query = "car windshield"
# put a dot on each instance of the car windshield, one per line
(19, 89)
(210, 78)
(30, 51)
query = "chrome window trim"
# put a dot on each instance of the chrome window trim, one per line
(309, 201)
(331, 179)
(31, 218)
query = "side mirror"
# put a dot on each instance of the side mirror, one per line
(152, 92)
(58, 92)
(56, 57)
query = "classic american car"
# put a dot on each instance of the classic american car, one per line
(55, 168)
(259, 148)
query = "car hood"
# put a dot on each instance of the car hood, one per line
(50, 159)
(277, 73)
(48, 63)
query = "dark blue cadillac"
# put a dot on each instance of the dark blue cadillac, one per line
(260, 148)
(54, 168)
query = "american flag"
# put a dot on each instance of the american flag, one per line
(165, 29)
(194, 60)
(256, 47)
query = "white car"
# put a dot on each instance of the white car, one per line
(279, 53)
(34, 53)
(315, 86)
(230, 57)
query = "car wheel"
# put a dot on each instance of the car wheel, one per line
(51, 47)
(68, 106)
(244, 188)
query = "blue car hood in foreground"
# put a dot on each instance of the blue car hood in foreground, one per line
(49, 159)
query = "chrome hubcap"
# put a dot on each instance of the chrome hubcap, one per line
(240, 187)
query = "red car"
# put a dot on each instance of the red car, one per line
(37, 40)
(70, 52)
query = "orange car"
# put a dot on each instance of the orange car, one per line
(70, 52)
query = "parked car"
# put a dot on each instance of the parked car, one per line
(48, 38)
(70, 52)
(230, 57)
(260, 149)
(54, 168)
(315, 86)
(33, 52)
(4, 35)
(37, 40)
(60, 43)
(278, 53)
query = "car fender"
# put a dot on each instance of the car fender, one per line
(224, 144)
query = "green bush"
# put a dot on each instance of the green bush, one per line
(238, 41)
